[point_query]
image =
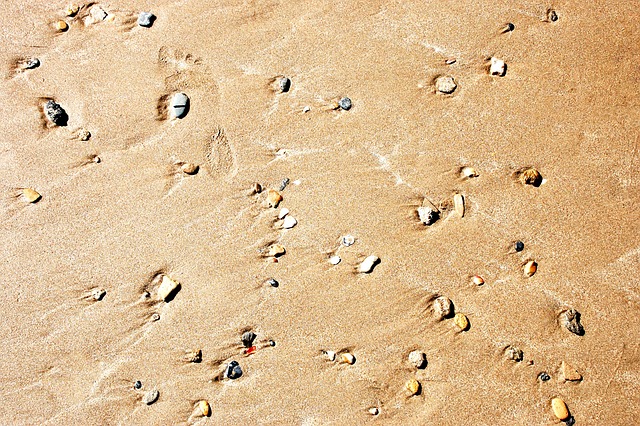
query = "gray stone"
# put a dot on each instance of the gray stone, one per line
(55, 113)
(145, 19)
(514, 354)
(179, 105)
(285, 84)
(233, 370)
(446, 85)
(31, 63)
(248, 338)
(151, 397)
(570, 319)
(345, 103)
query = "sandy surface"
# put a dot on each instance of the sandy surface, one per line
(568, 106)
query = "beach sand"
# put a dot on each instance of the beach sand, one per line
(567, 106)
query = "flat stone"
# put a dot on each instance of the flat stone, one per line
(458, 204)
(247, 338)
(98, 13)
(418, 359)
(345, 104)
(55, 113)
(151, 397)
(569, 373)
(368, 264)
(559, 408)
(179, 105)
(168, 288)
(570, 319)
(283, 184)
(445, 85)
(283, 212)
(31, 195)
(289, 222)
(145, 19)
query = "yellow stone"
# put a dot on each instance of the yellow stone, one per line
(62, 26)
(348, 359)
(276, 250)
(413, 386)
(530, 268)
(31, 195)
(72, 9)
(461, 321)
(530, 177)
(458, 203)
(205, 408)
(560, 409)
(274, 198)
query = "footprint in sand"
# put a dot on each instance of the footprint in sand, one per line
(220, 158)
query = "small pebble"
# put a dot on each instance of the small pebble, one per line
(98, 14)
(374, 411)
(179, 105)
(468, 172)
(145, 19)
(306, 109)
(331, 355)
(276, 250)
(530, 268)
(31, 63)
(334, 260)
(514, 354)
(446, 85)
(345, 104)
(62, 26)
(84, 135)
(151, 397)
(271, 343)
(137, 384)
(519, 246)
(570, 319)
(552, 15)
(284, 184)
(233, 370)
(368, 264)
(194, 356)
(497, 67)
(477, 280)
(418, 359)
(167, 288)
(284, 84)
(247, 338)
(507, 28)
(530, 176)
(450, 61)
(189, 168)
(72, 10)
(544, 377)
(55, 113)
(348, 240)
(559, 408)
(155, 317)
(569, 373)
(273, 198)
(461, 321)
(204, 408)
(347, 358)
(272, 282)
(289, 222)
(31, 195)
(413, 386)
(256, 188)
(283, 212)
(98, 293)
(442, 307)
(458, 204)
(428, 215)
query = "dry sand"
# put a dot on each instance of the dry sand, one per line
(568, 105)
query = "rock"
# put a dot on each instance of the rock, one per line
(31, 195)
(345, 103)
(155, 317)
(137, 384)
(283, 212)
(271, 343)
(276, 250)
(569, 373)
(468, 172)
(330, 355)
(72, 10)
(247, 338)
(544, 377)
(62, 26)
(272, 282)
(518, 246)
(98, 14)
(273, 198)
(497, 67)
(458, 204)
(284, 84)
(348, 240)
(445, 85)
(552, 15)
(530, 268)
(204, 408)
(255, 189)
(514, 354)
(368, 264)
(98, 293)
(233, 370)
(559, 408)
(418, 359)
(283, 184)
(374, 411)
(428, 215)
(442, 307)
(84, 135)
(30, 63)
(530, 176)
(477, 280)
(151, 397)
(334, 260)
(347, 358)
(189, 168)
(289, 222)
(168, 288)
(145, 19)
(194, 356)
(570, 319)
(461, 321)
(54, 112)
(507, 28)
(179, 105)
(413, 386)
(450, 61)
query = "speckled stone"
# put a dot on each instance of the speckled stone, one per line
(145, 19)
(345, 103)
(151, 397)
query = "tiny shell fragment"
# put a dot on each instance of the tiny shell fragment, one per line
(189, 168)
(205, 408)
(289, 222)
(442, 307)
(461, 321)
(368, 264)
(413, 386)
(31, 195)
(569, 373)
(347, 358)
(167, 288)
(530, 268)
(477, 280)
(276, 250)
(273, 198)
(559, 408)
(458, 203)
(497, 67)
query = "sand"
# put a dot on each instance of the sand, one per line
(567, 105)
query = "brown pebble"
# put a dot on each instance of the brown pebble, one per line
(72, 10)
(570, 319)
(530, 176)
(189, 168)
(458, 203)
(461, 321)
(569, 373)
(205, 408)
(413, 386)
(559, 408)
(62, 26)
(256, 188)
(442, 307)
(31, 195)
(274, 198)
(347, 358)
(276, 250)
(530, 268)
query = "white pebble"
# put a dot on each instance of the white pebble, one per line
(418, 359)
(334, 260)
(331, 355)
(348, 240)
(179, 105)
(368, 264)
(498, 67)
(283, 212)
(289, 222)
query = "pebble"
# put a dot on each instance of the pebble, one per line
(544, 376)
(497, 67)
(190, 168)
(271, 343)
(247, 338)
(62, 26)
(461, 321)
(559, 408)
(273, 198)
(458, 203)
(194, 356)
(283, 212)
(84, 135)
(507, 28)
(374, 411)
(413, 386)
(569, 373)
(205, 408)
(256, 189)
(519, 246)
(151, 397)
(233, 370)
(284, 184)
(31, 195)
(570, 319)
(306, 109)
(442, 307)
(272, 282)
(167, 288)
(514, 354)
(345, 103)
(55, 113)
(418, 359)
(477, 280)
(428, 215)
(469, 172)
(145, 19)
(446, 85)
(347, 358)
(530, 268)
(284, 84)
(334, 260)
(348, 240)
(137, 384)
(276, 250)
(179, 105)
(98, 14)
(530, 176)
(552, 15)
(368, 264)
(331, 355)
(72, 10)
(155, 317)
(98, 293)
(289, 222)
(450, 61)
(31, 63)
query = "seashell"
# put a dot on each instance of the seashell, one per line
(348, 240)
(283, 212)
(461, 321)
(418, 359)
(345, 103)
(334, 260)
(530, 176)
(569, 373)
(368, 264)
(374, 411)
(145, 19)
(84, 135)
(233, 371)
(194, 356)
(276, 250)
(560, 409)
(445, 85)
(72, 10)
(468, 172)
(442, 307)
(289, 222)
(530, 268)
(514, 354)
(347, 358)
(31, 195)
(331, 355)
(497, 67)
(273, 198)
(151, 397)
(179, 105)
(413, 386)
(98, 293)
(477, 280)
(458, 203)
(168, 287)
(205, 408)
(55, 113)
(570, 319)
(62, 26)
(189, 168)
(247, 338)
(428, 215)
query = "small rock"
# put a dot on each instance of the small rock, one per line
(374, 411)
(284, 84)
(72, 10)
(507, 28)
(445, 84)
(179, 105)
(255, 189)
(458, 203)
(273, 198)
(204, 408)
(413, 386)
(62, 26)
(497, 67)
(331, 355)
(98, 14)
(570, 319)
(469, 172)
(137, 384)
(544, 377)
(530, 268)
(233, 370)
(418, 359)
(55, 113)
(518, 246)
(151, 397)
(168, 288)
(283, 184)
(569, 373)
(272, 282)
(190, 168)
(348, 240)
(30, 63)
(477, 280)
(145, 19)
(98, 293)
(461, 321)
(247, 338)
(345, 103)
(334, 260)
(442, 307)
(428, 215)
(306, 109)
(84, 135)
(289, 222)
(368, 264)
(276, 250)
(31, 195)
(552, 15)
(347, 358)
(530, 176)
(155, 317)
(194, 356)
(271, 343)
(450, 61)
(514, 354)
(559, 408)
(283, 212)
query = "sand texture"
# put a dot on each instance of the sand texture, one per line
(131, 237)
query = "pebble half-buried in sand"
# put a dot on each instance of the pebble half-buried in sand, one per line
(151, 397)
(413, 386)
(179, 105)
(418, 359)
(368, 264)
(570, 319)
(442, 307)
(31, 195)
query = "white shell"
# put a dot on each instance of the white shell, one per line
(283, 212)
(497, 67)
(458, 203)
(179, 105)
(367, 265)
(334, 260)
(289, 222)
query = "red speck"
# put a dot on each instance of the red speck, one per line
(251, 350)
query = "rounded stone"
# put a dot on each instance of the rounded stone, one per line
(559, 408)
(519, 246)
(334, 260)
(289, 222)
(428, 215)
(345, 103)
(413, 386)
(348, 240)
(233, 370)
(62, 26)
(445, 85)
(531, 177)
(31, 63)
(368, 264)
(155, 317)
(374, 411)
(442, 307)
(285, 84)
(72, 10)
(273, 282)
(98, 293)
(247, 338)
(514, 354)
(137, 384)
(151, 397)
(461, 321)
(544, 376)
(145, 19)
(84, 135)
(190, 168)
(179, 105)
(418, 359)
(271, 343)
(55, 113)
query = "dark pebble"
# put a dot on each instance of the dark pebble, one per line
(272, 282)
(272, 343)
(248, 338)
(544, 376)
(553, 16)
(519, 246)
(285, 84)
(55, 113)
(233, 370)
(32, 63)
(284, 184)
(137, 384)
(345, 104)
